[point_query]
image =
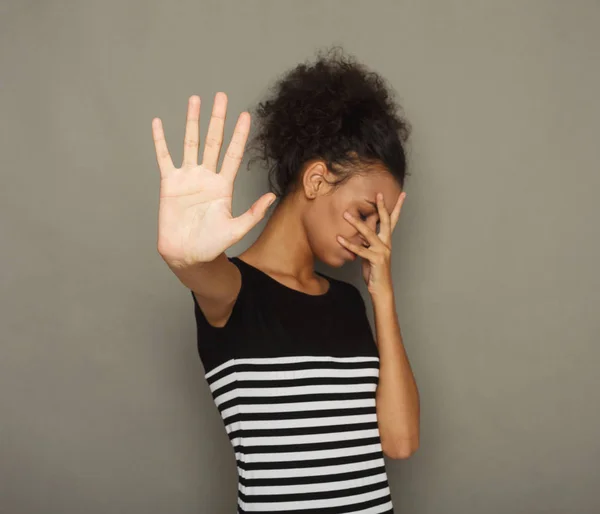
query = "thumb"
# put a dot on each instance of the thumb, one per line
(246, 221)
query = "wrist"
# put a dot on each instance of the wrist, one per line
(384, 297)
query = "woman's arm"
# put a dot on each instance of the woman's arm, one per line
(398, 409)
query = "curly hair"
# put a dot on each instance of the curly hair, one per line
(334, 109)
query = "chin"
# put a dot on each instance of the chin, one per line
(335, 260)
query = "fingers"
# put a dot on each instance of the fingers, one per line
(214, 136)
(385, 230)
(163, 157)
(235, 150)
(395, 215)
(357, 249)
(246, 221)
(191, 138)
(371, 237)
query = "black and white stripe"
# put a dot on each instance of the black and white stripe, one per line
(304, 431)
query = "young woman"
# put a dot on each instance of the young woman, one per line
(310, 399)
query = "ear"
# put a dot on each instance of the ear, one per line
(313, 179)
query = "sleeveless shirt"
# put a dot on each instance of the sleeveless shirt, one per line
(294, 376)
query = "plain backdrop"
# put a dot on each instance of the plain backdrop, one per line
(103, 404)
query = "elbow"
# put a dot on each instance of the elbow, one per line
(400, 450)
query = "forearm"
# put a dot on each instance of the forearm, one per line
(398, 409)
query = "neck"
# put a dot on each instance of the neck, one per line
(282, 246)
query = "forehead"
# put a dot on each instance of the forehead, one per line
(366, 186)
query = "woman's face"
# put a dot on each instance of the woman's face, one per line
(324, 214)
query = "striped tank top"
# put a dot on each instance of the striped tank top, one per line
(294, 376)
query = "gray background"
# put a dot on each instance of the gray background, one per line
(103, 403)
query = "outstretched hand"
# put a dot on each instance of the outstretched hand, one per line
(194, 220)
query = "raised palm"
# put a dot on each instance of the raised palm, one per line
(195, 223)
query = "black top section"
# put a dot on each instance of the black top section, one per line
(283, 289)
(270, 319)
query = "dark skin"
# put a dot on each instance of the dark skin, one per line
(306, 223)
